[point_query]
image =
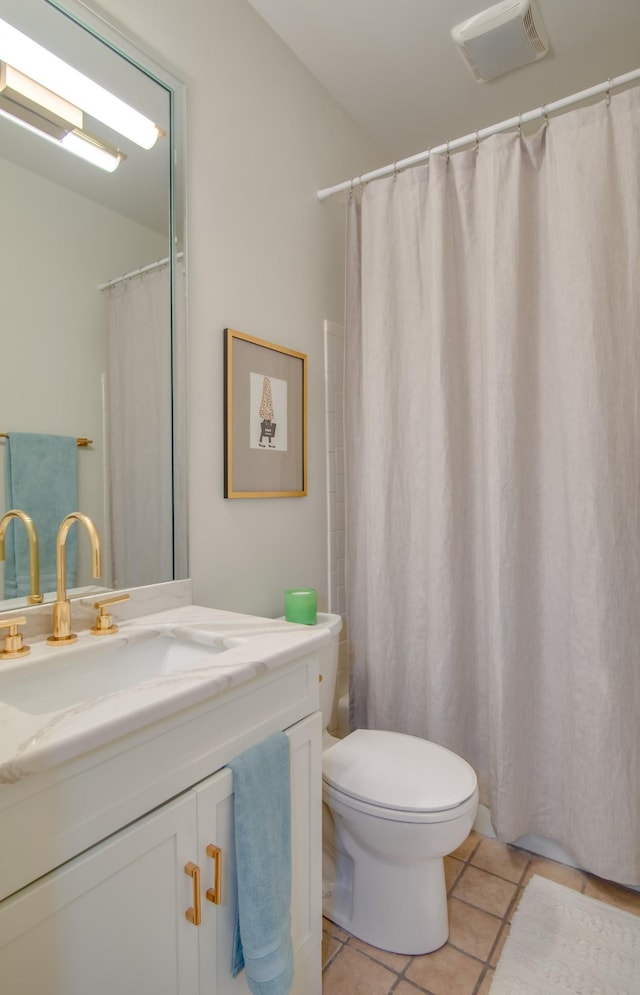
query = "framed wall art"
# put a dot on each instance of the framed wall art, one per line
(265, 430)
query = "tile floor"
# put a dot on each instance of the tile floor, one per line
(485, 880)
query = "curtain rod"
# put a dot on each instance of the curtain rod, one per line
(137, 272)
(476, 136)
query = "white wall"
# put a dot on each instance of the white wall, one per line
(56, 248)
(264, 257)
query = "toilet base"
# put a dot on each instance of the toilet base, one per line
(387, 863)
(402, 909)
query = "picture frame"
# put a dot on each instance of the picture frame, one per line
(265, 418)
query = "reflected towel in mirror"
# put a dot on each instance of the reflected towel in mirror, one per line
(41, 480)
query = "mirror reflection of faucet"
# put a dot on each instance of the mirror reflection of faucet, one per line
(35, 597)
(62, 634)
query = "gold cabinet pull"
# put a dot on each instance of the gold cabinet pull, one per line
(194, 914)
(213, 894)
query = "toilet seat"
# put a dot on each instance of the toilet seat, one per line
(338, 801)
(397, 777)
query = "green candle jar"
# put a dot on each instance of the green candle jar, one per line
(300, 605)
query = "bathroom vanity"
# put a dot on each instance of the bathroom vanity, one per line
(116, 807)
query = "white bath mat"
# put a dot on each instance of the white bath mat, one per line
(565, 943)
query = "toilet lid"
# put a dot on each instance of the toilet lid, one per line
(395, 771)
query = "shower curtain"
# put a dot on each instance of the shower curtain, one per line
(143, 502)
(493, 472)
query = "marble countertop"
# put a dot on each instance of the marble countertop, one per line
(236, 648)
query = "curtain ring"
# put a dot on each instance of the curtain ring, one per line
(545, 116)
(477, 145)
(608, 90)
(519, 124)
(395, 172)
(447, 153)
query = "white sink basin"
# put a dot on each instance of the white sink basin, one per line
(92, 671)
(61, 702)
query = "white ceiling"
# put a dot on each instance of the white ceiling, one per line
(393, 65)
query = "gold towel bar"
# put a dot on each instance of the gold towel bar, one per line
(81, 443)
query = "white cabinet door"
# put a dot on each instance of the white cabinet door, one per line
(112, 920)
(215, 826)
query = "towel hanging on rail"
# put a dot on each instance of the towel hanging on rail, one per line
(262, 817)
(42, 480)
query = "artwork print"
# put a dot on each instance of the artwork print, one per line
(265, 425)
(268, 406)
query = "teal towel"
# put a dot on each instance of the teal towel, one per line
(41, 480)
(262, 814)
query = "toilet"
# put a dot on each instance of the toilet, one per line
(393, 807)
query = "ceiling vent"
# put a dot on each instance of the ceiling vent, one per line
(501, 38)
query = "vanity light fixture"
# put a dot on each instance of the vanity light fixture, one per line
(76, 141)
(51, 72)
(93, 150)
(24, 98)
(28, 103)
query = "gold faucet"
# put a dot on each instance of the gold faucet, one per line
(35, 598)
(62, 608)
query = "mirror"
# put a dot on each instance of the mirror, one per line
(92, 266)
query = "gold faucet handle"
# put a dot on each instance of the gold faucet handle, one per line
(12, 643)
(104, 623)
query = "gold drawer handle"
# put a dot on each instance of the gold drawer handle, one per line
(193, 914)
(213, 894)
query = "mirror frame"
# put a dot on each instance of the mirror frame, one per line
(121, 45)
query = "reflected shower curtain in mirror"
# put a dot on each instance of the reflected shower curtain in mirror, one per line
(493, 472)
(139, 429)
